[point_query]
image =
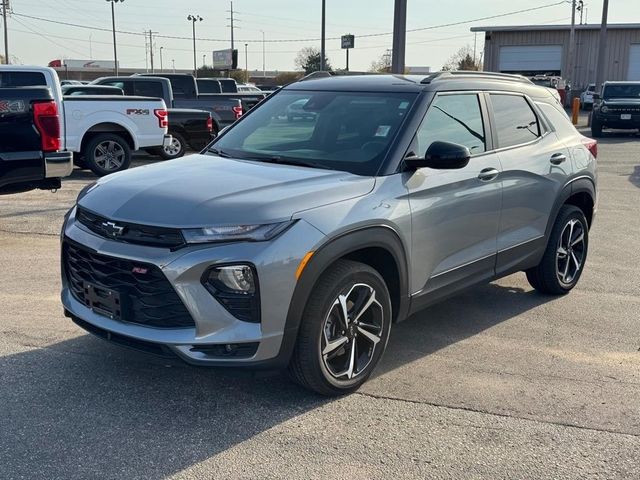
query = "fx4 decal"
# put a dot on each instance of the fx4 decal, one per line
(12, 106)
(137, 111)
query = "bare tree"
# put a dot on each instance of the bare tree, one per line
(463, 60)
(383, 64)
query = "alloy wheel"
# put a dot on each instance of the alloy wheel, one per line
(109, 155)
(570, 252)
(351, 333)
(173, 148)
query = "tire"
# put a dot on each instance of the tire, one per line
(176, 149)
(596, 128)
(322, 322)
(108, 143)
(561, 267)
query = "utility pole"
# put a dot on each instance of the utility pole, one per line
(231, 25)
(194, 19)
(322, 36)
(113, 24)
(264, 68)
(5, 14)
(246, 63)
(602, 47)
(399, 36)
(151, 49)
(572, 46)
(161, 68)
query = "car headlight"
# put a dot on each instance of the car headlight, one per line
(604, 109)
(235, 233)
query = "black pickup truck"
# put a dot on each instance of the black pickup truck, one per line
(187, 86)
(188, 128)
(224, 110)
(30, 141)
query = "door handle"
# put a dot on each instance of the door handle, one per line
(488, 174)
(557, 158)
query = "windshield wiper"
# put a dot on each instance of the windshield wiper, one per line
(283, 161)
(220, 153)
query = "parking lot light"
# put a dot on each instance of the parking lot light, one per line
(113, 24)
(194, 19)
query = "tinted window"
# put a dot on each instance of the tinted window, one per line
(228, 86)
(515, 121)
(209, 86)
(148, 89)
(453, 118)
(345, 131)
(622, 91)
(22, 79)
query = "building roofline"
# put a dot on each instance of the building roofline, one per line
(593, 26)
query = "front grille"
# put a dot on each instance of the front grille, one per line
(147, 297)
(130, 232)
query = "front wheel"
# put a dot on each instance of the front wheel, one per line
(565, 256)
(344, 330)
(107, 153)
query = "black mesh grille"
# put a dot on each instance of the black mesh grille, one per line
(130, 232)
(147, 296)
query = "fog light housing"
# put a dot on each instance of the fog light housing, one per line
(235, 287)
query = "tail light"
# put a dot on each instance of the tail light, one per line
(47, 121)
(210, 124)
(592, 146)
(238, 112)
(163, 117)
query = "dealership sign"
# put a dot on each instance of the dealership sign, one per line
(348, 41)
(225, 59)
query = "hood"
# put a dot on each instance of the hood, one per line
(202, 190)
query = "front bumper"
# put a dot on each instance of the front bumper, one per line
(275, 262)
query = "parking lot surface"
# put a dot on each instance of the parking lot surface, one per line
(500, 382)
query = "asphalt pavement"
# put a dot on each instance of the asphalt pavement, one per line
(499, 382)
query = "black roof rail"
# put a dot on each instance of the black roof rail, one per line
(473, 73)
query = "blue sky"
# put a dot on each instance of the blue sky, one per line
(37, 42)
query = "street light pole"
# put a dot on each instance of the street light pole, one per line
(399, 36)
(322, 35)
(204, 60)
(602, 47)
(113, 24)
(161, 68)
(173, 65)
(246, 63)
(193, 19)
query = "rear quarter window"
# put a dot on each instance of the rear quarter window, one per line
(558, 119)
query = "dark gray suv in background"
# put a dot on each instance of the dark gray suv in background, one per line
(298, 242)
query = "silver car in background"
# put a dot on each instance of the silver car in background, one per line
(298, 244)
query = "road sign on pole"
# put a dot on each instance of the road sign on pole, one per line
(348, 42)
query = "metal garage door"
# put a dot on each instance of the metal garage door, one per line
(634, 62)
(530, 58)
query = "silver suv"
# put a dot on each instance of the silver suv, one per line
(298, 242)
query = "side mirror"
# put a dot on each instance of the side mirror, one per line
(442, 156)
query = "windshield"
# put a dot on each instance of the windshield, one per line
(346, 131)
(622, 91)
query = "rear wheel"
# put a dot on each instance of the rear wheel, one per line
(565, 256)
(175, 149)
(596, 128)
(344, 330)
(107, 153)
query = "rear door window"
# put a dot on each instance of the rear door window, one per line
(144, 88)
(516, 122)
(453, 118)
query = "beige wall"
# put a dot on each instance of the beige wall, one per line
(618, 44)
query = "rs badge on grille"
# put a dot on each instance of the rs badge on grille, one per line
(112, 229)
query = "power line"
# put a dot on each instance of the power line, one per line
(369, 35)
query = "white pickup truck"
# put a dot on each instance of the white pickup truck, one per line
(101, 131)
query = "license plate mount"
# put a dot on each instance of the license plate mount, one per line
(103, 301)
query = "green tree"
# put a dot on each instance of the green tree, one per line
(308, 59)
